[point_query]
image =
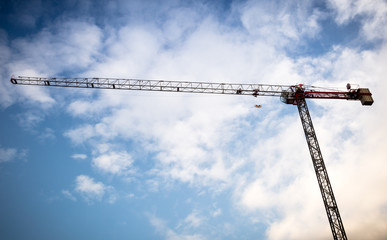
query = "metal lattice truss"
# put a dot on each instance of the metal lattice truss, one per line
(330, 204)
(156, 85)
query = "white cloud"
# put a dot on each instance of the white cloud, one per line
(90, 189)
(30, 119)
(80, 134)
(179, 24)
(371, 14)
(179, 139)
(114, 162)
(217, 212)
(280, 23)
(7, 97)
(79, 156)
(28, 95)
(194, 220)
(169, 234)
(11, 154)
(7, 154)
(47, 134)
(69, 195)
(130, 51)
(68, 44)
(36, 94)
(258, 196)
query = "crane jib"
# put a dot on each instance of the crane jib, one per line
(156, 85)
(286, 92)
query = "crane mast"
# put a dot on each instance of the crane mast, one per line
(290, 94)
(330, 204)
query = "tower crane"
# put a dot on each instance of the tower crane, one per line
(289, 94)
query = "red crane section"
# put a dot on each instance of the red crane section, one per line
(294, 92)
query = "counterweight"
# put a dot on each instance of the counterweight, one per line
(290, 94)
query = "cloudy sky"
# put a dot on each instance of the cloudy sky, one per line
(111, 164)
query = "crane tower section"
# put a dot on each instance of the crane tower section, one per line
(329, 200)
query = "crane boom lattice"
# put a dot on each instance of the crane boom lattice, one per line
(156, 85)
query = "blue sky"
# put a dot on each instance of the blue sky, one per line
(105, 164)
